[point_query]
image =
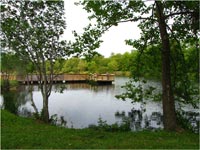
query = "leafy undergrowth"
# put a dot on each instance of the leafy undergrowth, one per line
(20, 133)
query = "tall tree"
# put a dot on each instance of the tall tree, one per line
(160, 22)
(32, 29)
(167, 94)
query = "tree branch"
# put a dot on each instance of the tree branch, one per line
(178, 13)
(137, 19)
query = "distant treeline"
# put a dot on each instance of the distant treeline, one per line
(146, 64)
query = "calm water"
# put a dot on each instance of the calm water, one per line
(81, 105)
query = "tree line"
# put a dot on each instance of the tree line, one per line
(125, 64)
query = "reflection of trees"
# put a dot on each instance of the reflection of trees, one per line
(16, 99)
(30, 91)
(28, 97)
(136, 119)
(189, 120)
(139, 120)
(13, 100)
(78, 86)
(96, 88)
(99, 88)
(9, 102)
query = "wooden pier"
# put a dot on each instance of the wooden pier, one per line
(64, 78)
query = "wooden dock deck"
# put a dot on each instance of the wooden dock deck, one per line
(64, 78)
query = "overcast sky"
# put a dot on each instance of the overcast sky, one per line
(113, 40)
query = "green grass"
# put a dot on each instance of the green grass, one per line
(20, 133)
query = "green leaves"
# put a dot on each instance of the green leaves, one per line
(139, 90)
(182, 23)
(86, 43)
(29, 29)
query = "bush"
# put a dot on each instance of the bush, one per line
(102, 125)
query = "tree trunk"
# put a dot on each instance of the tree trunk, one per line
(169, 114)
(44, 90)
(45, 110)
(45, 96)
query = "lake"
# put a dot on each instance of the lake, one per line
(81, 105)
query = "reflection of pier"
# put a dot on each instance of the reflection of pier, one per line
(63, 78)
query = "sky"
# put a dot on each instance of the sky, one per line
(113, 39)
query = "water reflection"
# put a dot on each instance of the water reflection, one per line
(10, 103)
(140, 120)
(13, 99)
(74, 86)
(82, 104)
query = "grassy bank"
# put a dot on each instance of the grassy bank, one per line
(18, 133)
